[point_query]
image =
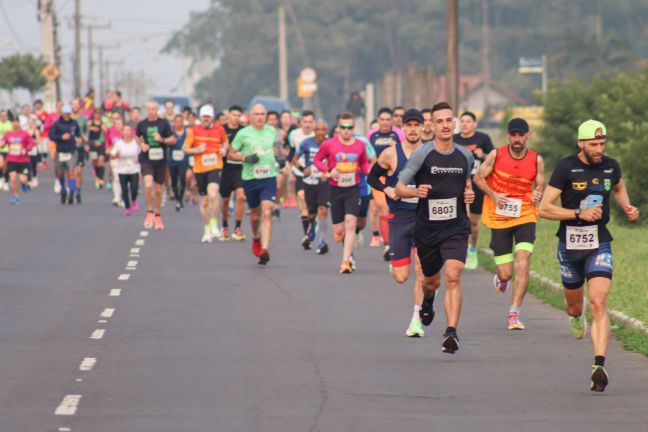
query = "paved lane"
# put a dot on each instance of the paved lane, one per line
(203, 339)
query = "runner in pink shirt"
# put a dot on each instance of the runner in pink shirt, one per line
(20, 143)
(343, 158)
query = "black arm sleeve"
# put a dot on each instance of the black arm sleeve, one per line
(374, 177)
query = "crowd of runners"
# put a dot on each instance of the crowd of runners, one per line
(420, 182)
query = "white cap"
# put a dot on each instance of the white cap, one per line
(207, 111)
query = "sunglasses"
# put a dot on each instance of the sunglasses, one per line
(347, 127)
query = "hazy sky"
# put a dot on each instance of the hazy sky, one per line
(142, 27)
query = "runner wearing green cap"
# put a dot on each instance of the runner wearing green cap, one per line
(584, 183)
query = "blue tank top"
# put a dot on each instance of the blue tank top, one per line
(175, 156)
(408, 204)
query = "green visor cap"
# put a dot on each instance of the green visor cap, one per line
(591, 129)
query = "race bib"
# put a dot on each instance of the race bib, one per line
(127, 165)
(65, 157)
(442, 209)
(346, 179)
(410, 200)
(582, 238)
(511, 208)
(156, 154)
(33, 151)
(209, 160)
(177, 155)
(15, 149)
(314, 176)
(94, 155)
(261, 171)
(475, 167)
(192, 161)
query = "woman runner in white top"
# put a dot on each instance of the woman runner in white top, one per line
(125, 152)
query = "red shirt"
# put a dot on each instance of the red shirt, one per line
(350, 161)
(19, 145)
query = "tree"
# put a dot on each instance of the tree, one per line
(22, 71)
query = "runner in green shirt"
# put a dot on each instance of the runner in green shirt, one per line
(254, 145)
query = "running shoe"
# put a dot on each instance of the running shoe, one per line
(352, 261)
(115, 202)
(128, 212)
(375, 241)
(256, 247)
(148, 222)
(96, 183)
(322, 248)
(206, 238)
(57, 186)
(15, 200)
(34, 183)
(427, 310)
(345, 267)
(215, 231)
(135, 207)
(286, 203)
(224, 234)
(514, 322)
(70, 198)
(450, 343)
(157, 223)
(499, 285)
(386, 254)
(238, 234)
(599, 378)
(415, 328)
(109, 186)
(78, 197)
(5, 187)
(264, 257)
(24, 187)
(306, 243)
(63, 196)
(293, 202)
(472, 260)
(178, 206)
(359, 239)
(578, 326)
(276, 213)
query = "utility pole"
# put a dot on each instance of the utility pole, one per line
(108, 63)
(452, 51)
(90, 48)
(486, 55)
(283, 57)
(103, 69)
(48, 48)
(77, 48)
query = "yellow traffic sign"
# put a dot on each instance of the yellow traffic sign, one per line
(305, 89)
(51, 72)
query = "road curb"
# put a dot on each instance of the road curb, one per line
(545, 282)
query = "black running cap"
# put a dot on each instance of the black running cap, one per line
(413, 114)
(518, 125)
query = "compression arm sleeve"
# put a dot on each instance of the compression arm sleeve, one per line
(373, 178)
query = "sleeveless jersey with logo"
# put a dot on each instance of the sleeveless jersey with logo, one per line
(408, 204)
(513, 177)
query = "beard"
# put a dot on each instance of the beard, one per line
(590, 158)
(517, 148)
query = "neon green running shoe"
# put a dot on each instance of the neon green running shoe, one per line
(415, 328)
(472, 260)
(578, 326)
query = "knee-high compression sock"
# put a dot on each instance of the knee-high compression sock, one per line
(305, 223)
(72, 185)
(323, 229)
(62, 183)
(101, 172)
(384, 229)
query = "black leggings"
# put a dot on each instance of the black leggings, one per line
(178, 180)
(124, 180)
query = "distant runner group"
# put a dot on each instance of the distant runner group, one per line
(422, 188)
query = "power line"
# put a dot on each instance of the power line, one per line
(11, 29)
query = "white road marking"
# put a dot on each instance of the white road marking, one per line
(132, 263)
(102, 322)
(115, 292)
(135, 250)
(68, 406)
(64, 430)
(134, 255)
(143, 233)
(124, 277)
(107, 313)
(98, 334)
(87, 364)
(78, 380)
(139, 242)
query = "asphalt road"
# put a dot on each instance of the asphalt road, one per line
(201, 338)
